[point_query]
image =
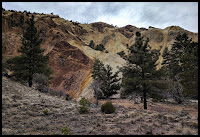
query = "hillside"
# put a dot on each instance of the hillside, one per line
(23, 114)
(66, 42)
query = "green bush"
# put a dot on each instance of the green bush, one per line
(45, 111)
(66, 131)
(108, 107)
(85, 105)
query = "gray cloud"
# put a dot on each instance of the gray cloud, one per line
(139, 14)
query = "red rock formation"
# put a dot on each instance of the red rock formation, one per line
(70, 66)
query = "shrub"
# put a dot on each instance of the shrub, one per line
(42, 88)
(46, 111)
(61, 93)
(40, 79)
(100, 47)
(156, 97)
(53, 92)
(66, 131)
(108, 107)
(121, 53)
(85, 105)
(123, 94)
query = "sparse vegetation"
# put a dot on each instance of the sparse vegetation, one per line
(122, 54)
(99, 47)
(160, 116)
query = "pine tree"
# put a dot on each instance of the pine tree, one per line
(97, 74)
(178, 61)
(189, 74)
(31, 60)
(140, 74)
(108, 82)
(110, 85)
(171, 58)
(98, 70)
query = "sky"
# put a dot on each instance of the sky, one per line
(139, 14)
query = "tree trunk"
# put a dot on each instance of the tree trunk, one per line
(145, 100)
(144, 92)
(30, 81)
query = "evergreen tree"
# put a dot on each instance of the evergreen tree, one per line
(99, 47)
(98, 70)
(97, 74)
(110, 85)
(189, 74)
(108, 82)
(31, 60)
(140, 74)
(178, 61)
(91, 44)
(171, 58)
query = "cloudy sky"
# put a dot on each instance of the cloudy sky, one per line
(139, 14)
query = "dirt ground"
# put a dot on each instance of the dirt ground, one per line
(23, 114)
(190, 107)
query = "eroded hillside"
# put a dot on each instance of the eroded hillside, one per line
(67, 44)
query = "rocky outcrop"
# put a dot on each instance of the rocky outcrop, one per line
(128, 31)
(99, 26)
(70, 66)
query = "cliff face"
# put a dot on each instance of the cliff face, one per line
(66, 42)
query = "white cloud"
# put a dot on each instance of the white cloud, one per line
(139, 14)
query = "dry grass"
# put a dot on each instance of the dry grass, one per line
(23, 113)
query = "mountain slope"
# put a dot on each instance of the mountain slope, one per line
(66, 42)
